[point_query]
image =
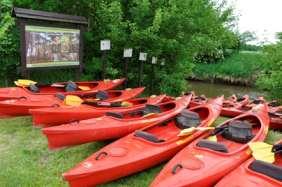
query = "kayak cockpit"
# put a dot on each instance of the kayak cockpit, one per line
(168, 131)
(146, 111)
(233, 135)
(61, 87)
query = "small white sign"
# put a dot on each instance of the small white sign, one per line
(154, 60)
(143, 56)
(105, 45)
(163, 63)
(127, 53)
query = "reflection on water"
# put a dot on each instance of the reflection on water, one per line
(213, 90)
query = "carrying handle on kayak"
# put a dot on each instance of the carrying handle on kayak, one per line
(22, 98)
(100, 154)
(175, 168)
(55, 105)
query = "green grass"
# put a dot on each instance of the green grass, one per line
(26, 161)
(243, 66)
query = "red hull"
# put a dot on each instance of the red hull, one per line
(67, 114)
(244, 176)
(20, 107)
(233, 108)
(108, 127)
(276, 120)
(196, 166)
(17, 92)
(132, 154)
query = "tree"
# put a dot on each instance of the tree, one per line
(178, 31)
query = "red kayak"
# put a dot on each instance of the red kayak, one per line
(143, 148)
(113, 125)
(21, 106)
(67, 114)
(205, 161)
(275, 114)
(198, 100)
(233, 106)
(255, 173)
(72, 88)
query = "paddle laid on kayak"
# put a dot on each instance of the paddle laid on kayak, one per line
(204, 162)
(113, 124)
(67, 114)
(144, 148)
(27, 87)
(21, 106)
(255, 172)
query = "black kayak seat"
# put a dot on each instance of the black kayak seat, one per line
(115, 114)
(187, 119)
(147, 136)
(70, 86)
(60, 96)
(238, 131)
(277, 149)
(102, 95)
(258, 101)
(239, 99)
(33, 88)
(267, 169)
(273, 104)
(212, 145)
(151, 109)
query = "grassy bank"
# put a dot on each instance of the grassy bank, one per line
(240, 68)
(26, 161)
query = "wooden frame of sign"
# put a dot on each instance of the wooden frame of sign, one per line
(40, 20)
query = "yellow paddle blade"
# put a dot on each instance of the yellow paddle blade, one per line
(262, 151)
(150, 114)
(84, 88)
(191, 130)
(153, 96)
(128, 89)
(24, 82)
(73, 100)
(212, 138)
(187, 132)
(107, 80)
(126, 104)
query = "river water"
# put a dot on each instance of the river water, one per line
(213, 90)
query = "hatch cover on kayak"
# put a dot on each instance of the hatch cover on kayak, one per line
(118, 151)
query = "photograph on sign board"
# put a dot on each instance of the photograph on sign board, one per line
(50, 46)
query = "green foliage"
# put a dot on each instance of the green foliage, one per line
(272, 76)
(242, 67)
(178, 31)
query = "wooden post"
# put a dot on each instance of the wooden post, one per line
(142, 59)
(105, 45)
(127, 54)
(154, 62)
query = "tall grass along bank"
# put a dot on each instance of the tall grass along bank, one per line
(241, 68)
